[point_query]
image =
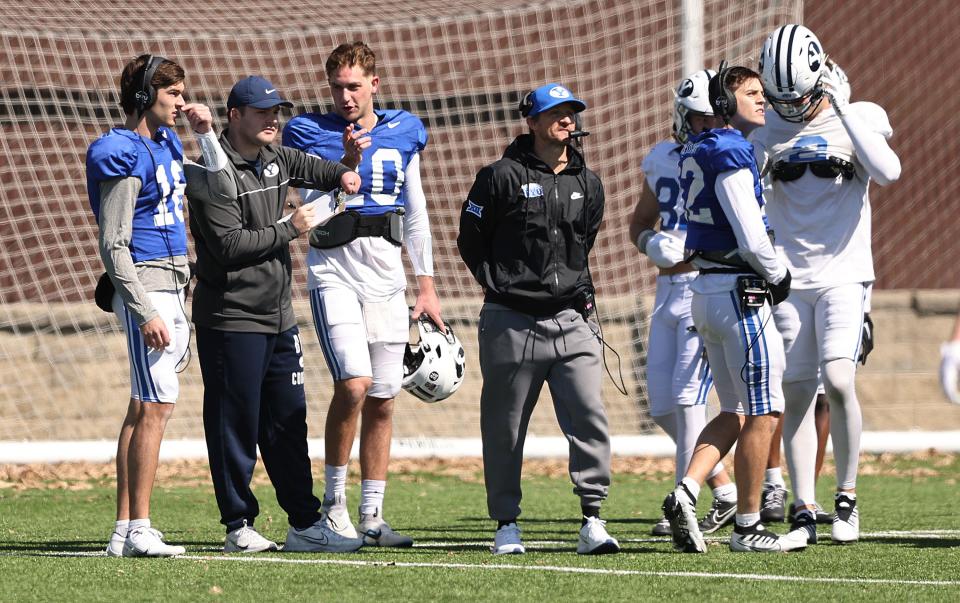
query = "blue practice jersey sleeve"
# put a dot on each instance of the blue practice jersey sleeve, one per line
(108, 157)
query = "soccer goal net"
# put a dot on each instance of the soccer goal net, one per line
(461, 67)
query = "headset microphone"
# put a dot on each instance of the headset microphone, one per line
(578, 131)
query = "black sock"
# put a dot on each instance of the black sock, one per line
(589, 512)
(504, 522)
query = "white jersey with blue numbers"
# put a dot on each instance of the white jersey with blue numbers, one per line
(822, 225)
(159, 230)
(370, 266)
(661, 168)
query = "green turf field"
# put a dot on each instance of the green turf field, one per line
(52, 536)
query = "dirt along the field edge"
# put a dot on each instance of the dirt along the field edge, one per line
(86, 475)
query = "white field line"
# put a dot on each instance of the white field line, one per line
(549, 569)
(534, 544)
(926, 534)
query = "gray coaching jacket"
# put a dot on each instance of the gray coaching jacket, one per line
(244, 270)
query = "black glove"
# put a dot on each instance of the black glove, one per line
(781, 290)
(866, 339)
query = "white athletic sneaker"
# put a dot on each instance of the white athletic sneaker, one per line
(754, 539)
(147, 542)
(846, 522)
(320, 538)
(115, 546)
(377, 532)
(594, 539)
(803, 531)
(338, 516)
(680, 509)
(661, 528)
(247, 540)
(507, 541)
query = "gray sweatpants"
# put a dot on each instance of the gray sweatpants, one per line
(517, 354)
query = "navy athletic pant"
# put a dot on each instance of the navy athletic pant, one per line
(253, 395)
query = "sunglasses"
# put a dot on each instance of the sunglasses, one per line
(825, 168)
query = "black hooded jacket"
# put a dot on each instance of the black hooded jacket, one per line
(526, 233)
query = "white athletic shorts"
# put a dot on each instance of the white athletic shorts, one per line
(153, 373)
(677, 374)
(819, 325)
(362, 338)
(745, 353)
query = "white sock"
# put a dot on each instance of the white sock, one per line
(774, 476)
(122, 526)
(846, 421)
(726, 492)
(371, 496)
(335, 481)
(690, 422)
(692, 486)
(747, 519)
(138, 523)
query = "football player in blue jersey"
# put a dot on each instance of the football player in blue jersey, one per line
(740, 279)
(135, 183)
(678, 378)
(357, 282)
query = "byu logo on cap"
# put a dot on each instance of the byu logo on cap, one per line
(560, 92)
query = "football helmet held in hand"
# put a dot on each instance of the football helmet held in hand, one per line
(433, 369)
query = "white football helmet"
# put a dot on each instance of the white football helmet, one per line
(791, 63)
(690, 97)
(433, 368)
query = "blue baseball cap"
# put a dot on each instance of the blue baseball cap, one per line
(549, 96)
(257, 92)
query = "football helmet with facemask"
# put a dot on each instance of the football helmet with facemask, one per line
(690, 98)
(791, 64)
(434, 368)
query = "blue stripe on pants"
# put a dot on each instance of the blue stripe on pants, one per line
(146, 389)
(323, 334)
(757, 361)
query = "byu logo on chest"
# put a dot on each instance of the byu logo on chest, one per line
(271, 170)
(531, 190)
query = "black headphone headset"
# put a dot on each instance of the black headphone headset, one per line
(723, 101)
(147, 94)
(526, 104)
